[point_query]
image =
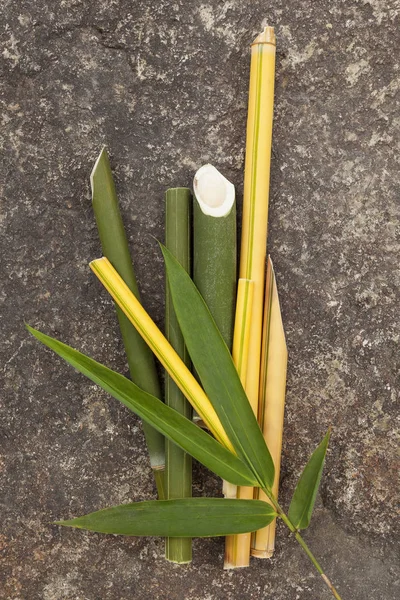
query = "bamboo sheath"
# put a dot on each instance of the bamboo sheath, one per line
(115, 247)
(255, 221)
(178, 464)
(272, 400)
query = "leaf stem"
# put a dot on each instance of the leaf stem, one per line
(302, 543)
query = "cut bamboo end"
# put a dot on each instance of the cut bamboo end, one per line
(237, 551)
(214, 193)
(260, 554)
(178, 550)
(272, 400)
(171, 550)
(157, 342)
(267, 36)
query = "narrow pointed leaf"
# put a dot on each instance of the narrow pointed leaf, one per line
(186, 517)
(217, 372)
(166, 420)
(303, 500)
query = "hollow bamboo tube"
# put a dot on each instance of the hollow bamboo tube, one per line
(240, 350)
(178, 464)
(272, 400)
(115, 247)
(214, 248)
(255, 221)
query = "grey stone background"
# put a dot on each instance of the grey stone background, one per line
(164, 86)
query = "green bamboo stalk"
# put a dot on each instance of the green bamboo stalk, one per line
(214, 247)
(115, 247)
(178, 467)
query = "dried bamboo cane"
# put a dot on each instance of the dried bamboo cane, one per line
(178, 464)
(255, 218)
(272, 400)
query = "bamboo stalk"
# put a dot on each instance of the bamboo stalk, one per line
(214, 249)
(240, 350)
(163, 350)
(272, 400)
(256, 190)
(255, 220)
(214, 246)
(115, 247)
(178, 464)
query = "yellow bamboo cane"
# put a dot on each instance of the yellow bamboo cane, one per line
(256, 191)
(163, 350)
(272, 400)
(255, 223)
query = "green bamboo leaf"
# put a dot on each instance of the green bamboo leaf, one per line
(303, 500)
(217, 372)
(185, 517)
(166, 420)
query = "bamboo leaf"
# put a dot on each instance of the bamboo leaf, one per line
(166, 420)
(185, 517)
(303, 500)
(217, 372)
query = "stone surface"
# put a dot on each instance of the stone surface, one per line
(164, 86)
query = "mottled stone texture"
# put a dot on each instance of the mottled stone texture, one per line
(164, 86)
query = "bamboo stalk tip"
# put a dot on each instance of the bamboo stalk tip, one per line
(175, 190)
(103, 156)
(267, 36)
